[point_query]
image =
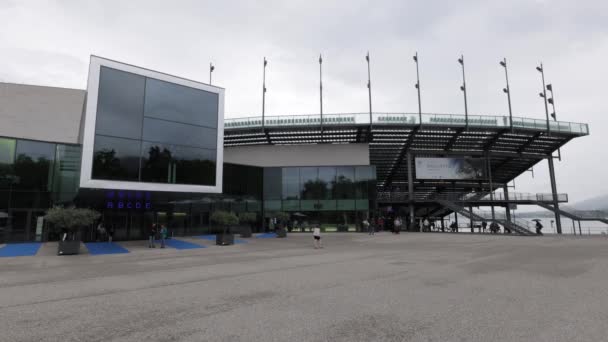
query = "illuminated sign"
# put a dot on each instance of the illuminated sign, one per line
(124, 199)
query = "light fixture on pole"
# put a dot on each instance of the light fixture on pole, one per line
(211, 68)
(264, 94)
(369, 88)
(418, 89)
(507, 91)
(321, 92)
(544, 95)
(463, 87)
(551, 101)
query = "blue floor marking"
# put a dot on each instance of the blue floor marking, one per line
(20, 249)
(212, 238)
(266, 236)
(179, 244)
(99, 248)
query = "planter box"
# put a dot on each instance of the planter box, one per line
(224, 239)
(281, 232)
(68, 247)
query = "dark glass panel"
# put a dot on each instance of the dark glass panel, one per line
(163, 163)
(291, 183)
(66, 175)
(120, 104)
(310, 184)
(116, 158)
(175, 102)
(273, 183)
(242, 180)
(33, 162)
(7, 159)
(327, 178)
(363, 175)
(194, 166)
(179, 134)
(344, 187)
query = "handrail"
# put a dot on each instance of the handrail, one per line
(475, 197)
(391, 118)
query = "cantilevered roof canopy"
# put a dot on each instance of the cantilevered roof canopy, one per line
(512, 146)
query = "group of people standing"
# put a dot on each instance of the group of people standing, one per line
(153, 231)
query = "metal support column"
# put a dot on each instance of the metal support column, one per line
(471, 218)
(580, 231)
(508, 211)
(558, 221)
(489, 166)
(410, 189)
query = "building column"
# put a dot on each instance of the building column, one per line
(471, 218)
(558, 220)
(508, 211)
(489, 166)
(410, 188)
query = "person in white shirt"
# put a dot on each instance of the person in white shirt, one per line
(316, 234)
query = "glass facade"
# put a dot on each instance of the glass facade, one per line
(33, 176)
(36, 175)
(148, 130)
(337, 198)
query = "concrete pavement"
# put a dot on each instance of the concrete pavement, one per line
(409, 287)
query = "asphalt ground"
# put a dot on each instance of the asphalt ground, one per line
(407, 287)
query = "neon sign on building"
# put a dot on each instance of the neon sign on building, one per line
(124, 199)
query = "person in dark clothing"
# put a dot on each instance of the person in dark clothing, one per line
(484, 225)
(151, 236)
(539, 227)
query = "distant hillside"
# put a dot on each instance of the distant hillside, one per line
(594, 203)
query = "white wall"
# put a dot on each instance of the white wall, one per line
(40, 113)
(298, 155)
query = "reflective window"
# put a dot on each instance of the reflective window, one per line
(66, 175)
(179, 134)
(175, 102)
(120, 104)
(327, 179)
(116, 158)
(363, 176)
(291, 183)
(273, 183)
(163, 163)
(344, 186)
(7, 158)
(310, 183)
(33, 165)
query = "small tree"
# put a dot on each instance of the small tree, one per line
(282, 216)
(225, 219)
(71, 219)
(250, 218)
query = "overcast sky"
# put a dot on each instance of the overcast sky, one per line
(49, 43)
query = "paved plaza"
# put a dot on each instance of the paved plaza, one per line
(409, 287)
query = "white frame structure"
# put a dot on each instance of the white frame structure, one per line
(88, 138)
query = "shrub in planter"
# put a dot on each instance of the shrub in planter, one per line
(225, 220)
(68, 221)
(250, 219)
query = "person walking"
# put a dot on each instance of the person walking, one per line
(539, 227)
(316, 235)
(101, 231)
(371, 228)
(151, 235)
(483, 227)
(163, 235)
(426, 225)
(110, 232)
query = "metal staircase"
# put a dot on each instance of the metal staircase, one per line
(514, 227)
(578, 215)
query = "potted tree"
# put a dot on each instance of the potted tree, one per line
(225, 220)
(282, 218)
(250, 219)
(68, 221)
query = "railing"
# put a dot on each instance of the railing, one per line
(402, 196)
(407, 119)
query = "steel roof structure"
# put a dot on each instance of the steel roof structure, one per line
(511, 146)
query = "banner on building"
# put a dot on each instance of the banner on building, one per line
(450, 168)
